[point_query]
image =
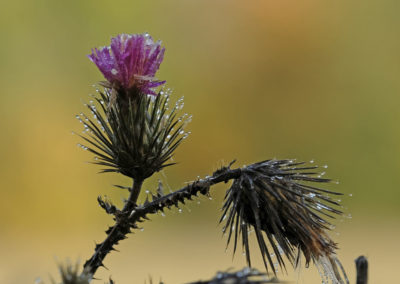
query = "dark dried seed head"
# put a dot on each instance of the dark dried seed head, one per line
(276, 198)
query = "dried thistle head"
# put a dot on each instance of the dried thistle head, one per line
(276, 200)
(136, 138)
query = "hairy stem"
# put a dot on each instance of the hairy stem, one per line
(115, 233)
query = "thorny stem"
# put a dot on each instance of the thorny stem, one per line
(115, 233)
(131, 213)
(201, 186)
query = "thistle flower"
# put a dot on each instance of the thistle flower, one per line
(130, 62)
(274, 198)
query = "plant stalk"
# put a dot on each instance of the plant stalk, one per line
(115, 233)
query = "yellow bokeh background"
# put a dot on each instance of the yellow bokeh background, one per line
(262, 78)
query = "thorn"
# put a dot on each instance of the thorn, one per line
(102, 264)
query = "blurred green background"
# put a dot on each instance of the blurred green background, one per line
(287, 79)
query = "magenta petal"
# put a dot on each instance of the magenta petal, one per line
(131, 61)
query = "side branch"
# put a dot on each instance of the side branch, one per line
(202, 186)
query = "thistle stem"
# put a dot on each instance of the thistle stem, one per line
(123, 224)
(131, 202)
(115, 233)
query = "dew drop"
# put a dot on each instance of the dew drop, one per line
(280, 249)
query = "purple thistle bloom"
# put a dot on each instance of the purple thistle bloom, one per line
(131, 61)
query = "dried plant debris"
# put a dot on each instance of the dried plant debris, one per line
(277, 199)
(244, 276)
(70, 275)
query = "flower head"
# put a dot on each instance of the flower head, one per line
(130, 61)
